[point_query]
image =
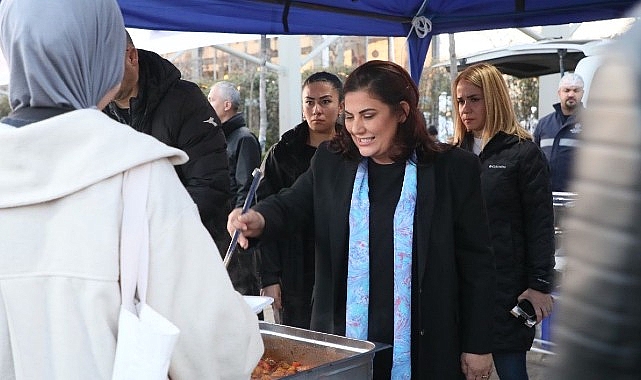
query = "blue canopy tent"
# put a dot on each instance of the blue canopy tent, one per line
(416, 19)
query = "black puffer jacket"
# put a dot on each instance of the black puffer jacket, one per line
(516, 188)
(177, 113)
(289, 262)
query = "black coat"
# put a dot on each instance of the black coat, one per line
(243, 151)
(452, 244)
(177, 113)
(289, 262)
(516, 188)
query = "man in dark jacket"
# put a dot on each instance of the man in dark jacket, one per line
(243, 152)
(243, 149)
(154, 100)
(558, 133)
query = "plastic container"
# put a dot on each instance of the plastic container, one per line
(258, 303)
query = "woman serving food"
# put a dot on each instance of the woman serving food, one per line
(402, 243)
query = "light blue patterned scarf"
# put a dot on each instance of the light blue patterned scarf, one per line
(356, 324)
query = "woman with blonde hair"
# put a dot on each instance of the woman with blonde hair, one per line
(516, 188)
(499, 114)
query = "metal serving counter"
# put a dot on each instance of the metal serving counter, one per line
(562, 202)
(330, 356)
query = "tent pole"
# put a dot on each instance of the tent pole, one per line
(453, 64)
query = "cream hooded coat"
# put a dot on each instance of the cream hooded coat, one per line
(60, 216)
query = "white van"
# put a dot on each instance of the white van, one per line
(546, 60)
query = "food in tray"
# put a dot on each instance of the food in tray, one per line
(269, 369)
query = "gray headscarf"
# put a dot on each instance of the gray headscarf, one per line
(62, 53)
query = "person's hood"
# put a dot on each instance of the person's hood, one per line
(56, 64)
(58, 156)
(157, 76)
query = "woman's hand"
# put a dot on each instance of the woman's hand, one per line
(542, 303)
(274, 292)
(250, 224)
(476, 366)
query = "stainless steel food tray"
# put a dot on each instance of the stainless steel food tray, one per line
(331, 356)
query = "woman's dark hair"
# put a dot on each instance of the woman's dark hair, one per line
(391, 84)
(324, 76)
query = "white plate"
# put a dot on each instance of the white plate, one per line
(258, 303)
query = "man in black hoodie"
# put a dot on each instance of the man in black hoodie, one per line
(153, 99)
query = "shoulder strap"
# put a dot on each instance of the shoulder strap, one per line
(134, 236)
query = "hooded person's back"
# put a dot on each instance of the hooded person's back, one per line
(61, 167)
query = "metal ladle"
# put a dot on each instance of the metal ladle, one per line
(257, 175)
